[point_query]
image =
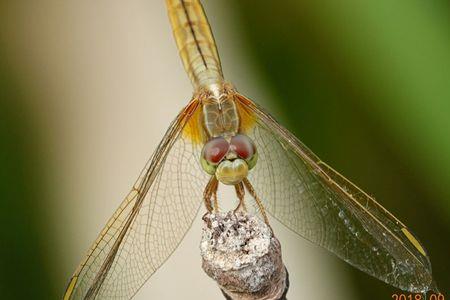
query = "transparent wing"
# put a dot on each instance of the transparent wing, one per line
(317, 203)
(149, 224)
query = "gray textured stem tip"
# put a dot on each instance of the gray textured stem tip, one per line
(240, 252)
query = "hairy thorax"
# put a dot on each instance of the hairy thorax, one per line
(220, 115)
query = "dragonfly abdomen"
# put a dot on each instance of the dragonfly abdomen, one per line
(195, 42)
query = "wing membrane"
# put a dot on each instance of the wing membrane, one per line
(319, 204)
(149, 224)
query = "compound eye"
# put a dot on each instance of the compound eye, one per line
(243, 146)
(215, 150)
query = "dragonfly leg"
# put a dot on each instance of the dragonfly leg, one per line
(252, 192)
(211, 191)
(240, 192)
(215, 199)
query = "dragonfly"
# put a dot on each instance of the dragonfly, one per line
(222, 138)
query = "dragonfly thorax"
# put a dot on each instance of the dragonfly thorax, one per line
(229, 160)
(220, 115)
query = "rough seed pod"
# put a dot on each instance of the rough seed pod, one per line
(241, 254)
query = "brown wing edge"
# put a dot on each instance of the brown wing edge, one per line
(137, 195)
(340, 184)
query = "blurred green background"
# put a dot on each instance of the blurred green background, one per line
(365, 84)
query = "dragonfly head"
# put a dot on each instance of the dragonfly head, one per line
(229, 160)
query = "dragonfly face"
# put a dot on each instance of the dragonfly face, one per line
(229, 160)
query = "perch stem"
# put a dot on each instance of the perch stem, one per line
(240, 252)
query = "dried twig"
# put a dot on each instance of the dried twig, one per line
(242, 255)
